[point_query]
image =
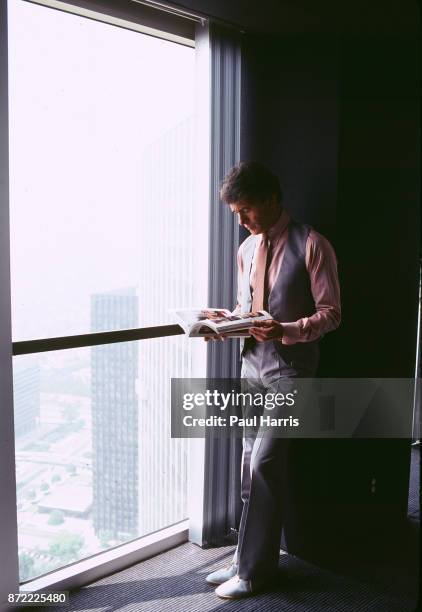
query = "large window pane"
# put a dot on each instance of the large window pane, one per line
(102, 172)
(95, 462)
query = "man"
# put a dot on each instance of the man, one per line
(290, 270)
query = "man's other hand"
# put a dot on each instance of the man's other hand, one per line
(267, 330)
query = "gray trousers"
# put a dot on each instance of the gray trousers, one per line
(265, 470)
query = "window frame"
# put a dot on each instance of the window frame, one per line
(202, 470)
(139, 15)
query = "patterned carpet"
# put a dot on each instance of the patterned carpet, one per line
(174, 582)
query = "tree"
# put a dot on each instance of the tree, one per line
(105, 536)
(56, 517)
(26, 566)
(70, 413)
(66, 546)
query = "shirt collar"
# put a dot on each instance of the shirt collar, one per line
(279, 227)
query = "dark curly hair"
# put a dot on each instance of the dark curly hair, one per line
(250, 181)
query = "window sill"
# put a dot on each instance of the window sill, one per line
(88, 570)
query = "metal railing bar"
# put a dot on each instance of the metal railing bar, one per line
(25, 347)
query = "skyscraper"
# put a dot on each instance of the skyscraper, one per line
(114, 371)
(175, 223)
(26, 390)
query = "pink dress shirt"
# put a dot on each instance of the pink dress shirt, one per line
(321, 264)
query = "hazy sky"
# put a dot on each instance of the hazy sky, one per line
(86, 99)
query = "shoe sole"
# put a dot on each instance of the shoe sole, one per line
(257, 591)
(241, 597)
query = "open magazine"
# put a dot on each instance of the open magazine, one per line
(210, 321)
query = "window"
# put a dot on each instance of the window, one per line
(106, 234)
(101, 173)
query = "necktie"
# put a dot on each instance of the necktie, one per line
(261, 261)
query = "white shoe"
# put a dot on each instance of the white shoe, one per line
(235, 588)
(222, 575)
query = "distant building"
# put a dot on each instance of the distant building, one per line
(26, 390)
(114, 370)
(72, 499)
(176, 223)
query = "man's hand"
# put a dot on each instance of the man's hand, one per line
(267, 330)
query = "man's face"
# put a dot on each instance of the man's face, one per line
(256, 217)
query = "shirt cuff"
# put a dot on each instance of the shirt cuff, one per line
(291, 333)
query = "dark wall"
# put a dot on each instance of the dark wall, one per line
(290, 119)
(378, 210)
(336, 116)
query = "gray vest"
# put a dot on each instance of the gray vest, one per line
(290, 299)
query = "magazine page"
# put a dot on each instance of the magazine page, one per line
(209, 321)
(190, 317)
(241, 321)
